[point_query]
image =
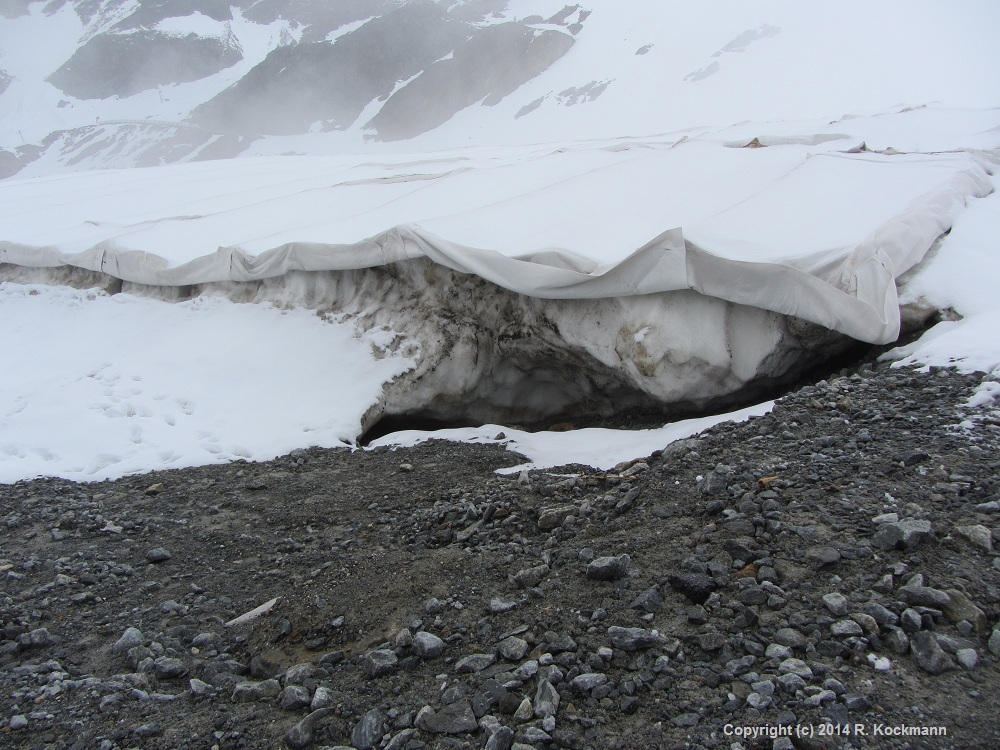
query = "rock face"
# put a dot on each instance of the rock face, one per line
(454, 64)
(125, 63)
(489, 65)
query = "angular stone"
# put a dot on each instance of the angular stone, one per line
(967, 657)
(546, 700)
(633, 639)
(648, 601)
(168, 668)
(924, 596)
(302, 734)
(929, 656)
(474, 663)
(905, 534)
(513, 648)
(836, 603)
(501, 739)
(608, 568)
(553, 516)
(977, 535)
(427, 645)
(695, 586)
(529, 578)
(455, 718)
(796, 667)
(131, 638)
(846, 629)
(368, 732)
(293, 697)
(584, 683)
(791, 638)
(994, 642)
(961, 607)
(379, 663)
(882, 615)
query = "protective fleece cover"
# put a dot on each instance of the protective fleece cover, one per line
(813, 225)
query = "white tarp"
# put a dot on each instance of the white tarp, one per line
(811, 226)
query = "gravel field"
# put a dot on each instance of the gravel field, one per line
(821, 577)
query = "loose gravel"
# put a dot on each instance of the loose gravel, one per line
(825, 576)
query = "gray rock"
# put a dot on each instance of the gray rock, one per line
(790, 637)
(929, 656)
(368, 732)
(608, 568)
(584, 683)
(513, 648)
(168, 668)
(302, 734)
(400, 740)
(529, 578)
(823, 555)
(553, 516)
(131, 638)
(499, 606)
(17, 722)
(778, 651)
(455, 718)
(967, 657)
(546, 700)
(924, 596)
(524, 711)
(960, 607)
(379, 663)
(758, 701)
(695, 586)
(427, 645)
(905, 534)
(201, 689)
(324, 697)
(561, 644)
(246, 692)
(910, 620)
(648, 601)
(836, 603)
(293, 697)
(790, 682)
(686, 720)
(404, 638)
(994, 642)
(977, 535)
(846, 629)
(633, 639)
(882, 615)
(158, 555)
(796, 667)
(501, 739)
(474, 663)
(536, 735)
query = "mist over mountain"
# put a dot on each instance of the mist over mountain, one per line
(90, 84)
(123, 83)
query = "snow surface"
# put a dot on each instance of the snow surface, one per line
(597, 447)
(96, 386)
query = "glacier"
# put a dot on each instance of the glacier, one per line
(575, 246)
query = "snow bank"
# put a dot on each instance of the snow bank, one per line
(97, 386)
